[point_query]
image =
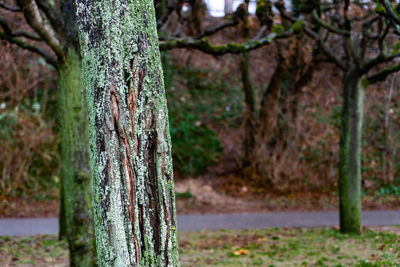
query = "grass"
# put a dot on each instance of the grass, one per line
(33, 251)
(267, 247)
(290, 247)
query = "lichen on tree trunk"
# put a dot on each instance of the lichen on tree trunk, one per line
(134, 199)
(76, 190)
(350, 153)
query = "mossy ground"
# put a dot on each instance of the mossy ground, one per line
(267, 247)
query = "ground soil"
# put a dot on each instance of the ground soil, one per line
(202, 195)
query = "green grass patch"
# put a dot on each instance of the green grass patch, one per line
(267, 247)
(290, 247)
(45, 250)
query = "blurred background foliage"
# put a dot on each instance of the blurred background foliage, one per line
(198, 99)
(29, 139)
(202, 100)
(207, 109)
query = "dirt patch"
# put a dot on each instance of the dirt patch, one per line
(207, 199)
(212, 196)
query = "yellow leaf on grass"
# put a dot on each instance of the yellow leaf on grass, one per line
(241, 252)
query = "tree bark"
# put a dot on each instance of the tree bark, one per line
(133, 187)
(350, 153)
(75, 169)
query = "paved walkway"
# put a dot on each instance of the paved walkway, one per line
(24, 227)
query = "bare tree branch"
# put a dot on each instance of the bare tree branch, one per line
(10, 32)
(281, 8)
(9, 8)
(51, 13)
(328, 26)
(261, 32)
(215, 29)
(380, 59)
(164, 17)
(205, 46)
(390, 11)
(328, 52)
(382, 74)
(49, 59)
(41, 25)
(379, 36)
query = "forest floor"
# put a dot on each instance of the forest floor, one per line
(202, 195)
(267, 247)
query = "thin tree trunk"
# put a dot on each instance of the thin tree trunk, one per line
(249, 135)
(76, 180)
(196, 18)
(350, 153)
(249, 129)
(133, 187)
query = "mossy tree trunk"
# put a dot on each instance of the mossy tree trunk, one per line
(77, 209)
(350, 153)
(133, 187)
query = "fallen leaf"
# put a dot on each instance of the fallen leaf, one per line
(241, 252)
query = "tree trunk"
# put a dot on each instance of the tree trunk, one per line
(196, 18)
(249, 133)
(133, 186)
(350, 153)
(75, 169)
(267, 122)
(249, 129)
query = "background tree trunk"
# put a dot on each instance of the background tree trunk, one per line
(350, 153)
(196, 18)
(249, 130)
(134, 196)
(77, 208)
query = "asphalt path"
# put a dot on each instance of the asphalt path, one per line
(41, 226)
